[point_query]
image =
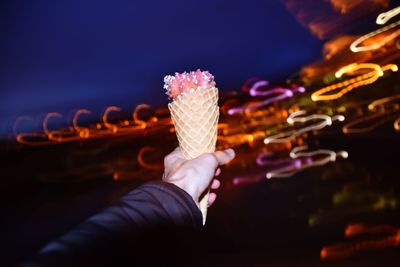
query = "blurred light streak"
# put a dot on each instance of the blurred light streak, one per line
(248, 84)
(105, 129)
(140, 122)
(107, 111)
(264, 159)
(375, 201)
(353, 127)
(396, 124)
(379, 237)
(350, 84)
(144, 164)
(386, 16)
(46, 121)
(138, 174)
(355, 46)
(383, 110)
(380, 103)
(275, 93)
(337, 45)
(345, 6)
(349, 203)
(287, 136)
(353, 230)
(248, 179)
(33, 139)
(238, 139)
(83, 132)
(253, 91)
(303, 160)
(356, 66)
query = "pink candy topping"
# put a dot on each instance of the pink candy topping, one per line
(184, 82)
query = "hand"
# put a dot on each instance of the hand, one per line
(195, 176)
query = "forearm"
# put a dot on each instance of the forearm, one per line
(147, 208)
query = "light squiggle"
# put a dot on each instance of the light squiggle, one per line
(143, 124)
(386, 16)
(274, 94)
(106, 123)
(383, 110)
(350, 84)
(381, 19)
(102, 129)
(83, 132)
(311, 160)
(324, 120)
(381, 103)
(353, 127)
(32, 138)
(144, 164)
(391, 238)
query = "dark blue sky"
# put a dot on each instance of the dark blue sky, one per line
(66, 54)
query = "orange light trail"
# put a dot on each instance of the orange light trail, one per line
(364, 79)
(391, 238)
(135, 116)
(110, 126)
(83, 131)
(381, 113)
(33, 139)
(144, 164)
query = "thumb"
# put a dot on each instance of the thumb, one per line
(224, 156)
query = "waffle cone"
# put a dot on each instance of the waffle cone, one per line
(195, 117)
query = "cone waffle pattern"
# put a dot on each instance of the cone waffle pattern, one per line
(195, 116)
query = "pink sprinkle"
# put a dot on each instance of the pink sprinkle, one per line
(184, 82)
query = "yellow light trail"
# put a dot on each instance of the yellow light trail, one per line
(350, 84)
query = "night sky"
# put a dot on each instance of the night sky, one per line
(67, 54)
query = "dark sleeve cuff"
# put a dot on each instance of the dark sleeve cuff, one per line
(180, 206)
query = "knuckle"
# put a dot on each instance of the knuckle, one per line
(211, 159)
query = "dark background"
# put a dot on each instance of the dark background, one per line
(67, 54)
(63, 55)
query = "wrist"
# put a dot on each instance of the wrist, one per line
(189, 188)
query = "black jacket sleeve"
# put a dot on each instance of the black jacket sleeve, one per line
(139, 222)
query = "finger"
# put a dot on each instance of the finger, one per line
(218, 172)
(224, 156)
(211, 199)
(215, 184)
